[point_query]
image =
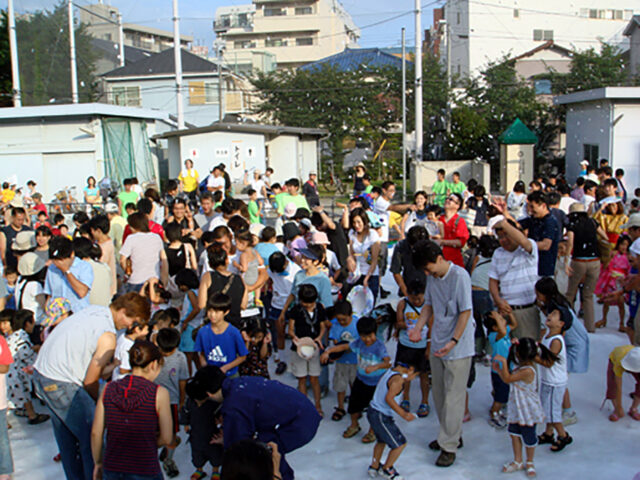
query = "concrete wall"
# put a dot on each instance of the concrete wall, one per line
(626, 142)
(423, 174)
(516, 163)
(634, 53)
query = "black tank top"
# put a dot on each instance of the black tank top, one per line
(10, 233)
(177, 258)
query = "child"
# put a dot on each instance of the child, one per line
(253, 207)
(307, 319)
(24, 356)
(6, 319)
(524, 409)
(407, 314)
(373, 361)
(258, 342)
(173, 377)
(157, 295)
(208, 239)
(191, 315)
(343, 332)
(553, 377)
(500, 340)
(129, 209)
(6, 465)
(11, 277)
(220, 343)
(123, 344)
(199, 416)
(267, 245)
(560, 274)
(249, 264)
(380, 416)
(610, 280)
(623, 359)
(435, 228)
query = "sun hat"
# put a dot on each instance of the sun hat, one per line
(256, 229)
(584, 162)
(631, 361)
(23, 241)
(111, 208)
(609, 200)
(17, 202)
(635, 247)
(30, 264)
(306, 348)
(307, 253)
(55, 308)
(361, 300)
(634, 221)
(289, 231)
(307, 223)
(290, 210)
(577, 208)
(320, 238)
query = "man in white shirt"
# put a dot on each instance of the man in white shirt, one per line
(215, 181)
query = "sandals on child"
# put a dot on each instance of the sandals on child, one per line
(338, 413)
(351, 431)
(198, 475)
(423, 410)
(634, 414)
(370, 437)
(561, 442)
(545, 438)
(530, 470)
(512, 467)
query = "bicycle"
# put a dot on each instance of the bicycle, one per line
(331, 182)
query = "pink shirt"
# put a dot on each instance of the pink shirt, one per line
(5, 359)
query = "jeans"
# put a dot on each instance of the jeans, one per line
(6, 461)
(482, 304)
(132, 287)
(72, 408)
(107, 475)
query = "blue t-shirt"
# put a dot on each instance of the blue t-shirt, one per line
(265, 250)
(320, 281)
(367, 356)
(348, 334)
(56, 283)
(539, 229)
(499, 347)
(223, 348)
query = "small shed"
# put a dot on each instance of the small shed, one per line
(516, 155)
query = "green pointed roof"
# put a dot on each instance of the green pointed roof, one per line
(517, 134)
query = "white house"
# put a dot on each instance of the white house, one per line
(633, 32)
(290, 151)
(59, 146)
(603, 123)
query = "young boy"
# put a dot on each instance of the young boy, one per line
(380, 416)
(11, 278)
(128, 196)
(373, 361)
(123, 345)
(267, 245)
(200, 417)
(343, 332)
(408, 312)
(253, 207)
(307, 319)
(499, 337)
(220, 343)
(173, 377)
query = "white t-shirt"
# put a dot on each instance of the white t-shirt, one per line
(123, 345)
(362, 250)
(100, 292)
(31, 291)
(216, 222)
(565, 203)
(216, 183)
(258, 185)
(587, 200)
(144, 249)
(282, 284)
(381, 208)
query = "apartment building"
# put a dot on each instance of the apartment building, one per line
(481, 31)
(293, 32)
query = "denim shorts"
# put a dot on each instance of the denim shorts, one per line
(500, 389)
(6, 461)
(385, 428)
(526, 432)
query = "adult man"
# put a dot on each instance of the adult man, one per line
(228, 210)
(448, 299)
(129, 195)
(402, 260)
(68, 371)
(622, 187)
(338, 241)
(189, 179)
(589, 197)
(578, 192)
(253, 407)
(440, 188)
(566, 200)
(117, 224)
(512, 278)
(206, 214)
(215, 181)
(68, 277)
(542, 227)
(8, 233)
(310, 190)
(456, 186)
(456, 232)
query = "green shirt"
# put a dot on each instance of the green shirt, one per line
(127, 197)
(281, 201)
(254, 213)
(459, 187)
(368, 189)
(440, 189)
(298, 200)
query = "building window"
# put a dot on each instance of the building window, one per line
(593, 13)
(304, 10)
(516, 13)
(126, 96)
(275, 42)
(591, 153)
(304, 41)
(244, 44)
(542, 86)
(225, 21)
(274, 12)
(211, 93)
(243, 20)
(540, 35)
(458, 17)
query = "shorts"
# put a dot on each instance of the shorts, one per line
(413, 356)
(551, 398)
(500, 389)
(385, 428)
(174, 417)
(187, 343)
(526, 432)
(207, 453)
(361, 395)
(304, 368)
(343, 376)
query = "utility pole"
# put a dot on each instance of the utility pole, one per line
(447, 27)
(404, 119)
(177, 53)
(121, 39)
(418, 82)
(220, 101)
(72, 55)
(13, 47)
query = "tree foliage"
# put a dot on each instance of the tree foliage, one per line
(5, 62)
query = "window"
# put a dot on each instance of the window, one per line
(593, 13)
(591, 153)
(304, 10)
(107, 36)
(244, 44)
(126, 96)
(458, 17)
(516, 13)
(274, 12)
(211, 93)
(540, 35)
(542, 86)
(225, 21)
(275, 42)
(303, 41)
(243, 20)
(537, 35)
(547, 35)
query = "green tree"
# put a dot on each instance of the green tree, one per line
(5, 62)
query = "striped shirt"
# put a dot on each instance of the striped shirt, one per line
(132, 426)
(517, 273)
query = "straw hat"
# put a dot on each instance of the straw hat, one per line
(577, 208)
(30, 264)
(634, 221)
(25, 240)
(256, 229)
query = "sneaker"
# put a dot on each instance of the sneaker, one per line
(445, 459)
(497, 421)
(390, 474)
(423, 410)
(436, 446)
(569, 418)
(405, 405)
(170, 468)
(374, 472)
(281, 368)
(384, 293)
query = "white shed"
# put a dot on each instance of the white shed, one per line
(603, 123)
(59, 146)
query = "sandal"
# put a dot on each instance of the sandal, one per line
(423, 410)
(338, 413)
(530, 470)
(370, 437)
(601, 324)
(614, 417)
(634, 414)
(198, 475)
(561, 442)
(39, 418)
(512, 467)
(545, 438)
(351, 431)
(405, 405)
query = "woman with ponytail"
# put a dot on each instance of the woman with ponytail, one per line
(133, 410)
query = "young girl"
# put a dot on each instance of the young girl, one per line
(610, 278)
(191, 315)
(250, 266)
(157, 295)
(524, 410)
(364, 249)
(553, 377)
(258, 342)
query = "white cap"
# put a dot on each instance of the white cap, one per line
(111, 208)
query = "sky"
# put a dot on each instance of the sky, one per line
(197, 16)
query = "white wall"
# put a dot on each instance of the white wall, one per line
(626, 145)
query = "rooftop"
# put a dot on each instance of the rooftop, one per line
(81, 110)
(612, 93)
(156, 31)
(163, 63)
(518, 134)
(633, 23)
(247, 128)
(353, 58)
(111, 51)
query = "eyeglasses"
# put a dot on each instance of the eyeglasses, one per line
(454, 200)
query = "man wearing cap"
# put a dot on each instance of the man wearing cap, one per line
(310, 190)
(117, 225)
(8, 234)
(584, 164)
(215, 181)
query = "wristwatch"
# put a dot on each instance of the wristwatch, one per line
(454, 340)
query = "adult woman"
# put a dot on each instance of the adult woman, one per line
(183, 217)
(582, 241)
(142, 255)
(179, 255)
(417, 213)
(137, 416)
(92, 192)
(358, 179)
(29, 289)
(221, 280)
(364, 250)
(189, 179)
(43, 235)
(159, 209)
(516, 200)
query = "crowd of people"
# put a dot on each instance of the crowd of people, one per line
(160, 309)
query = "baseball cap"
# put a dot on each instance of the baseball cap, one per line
(111, 208)
(307, 253)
